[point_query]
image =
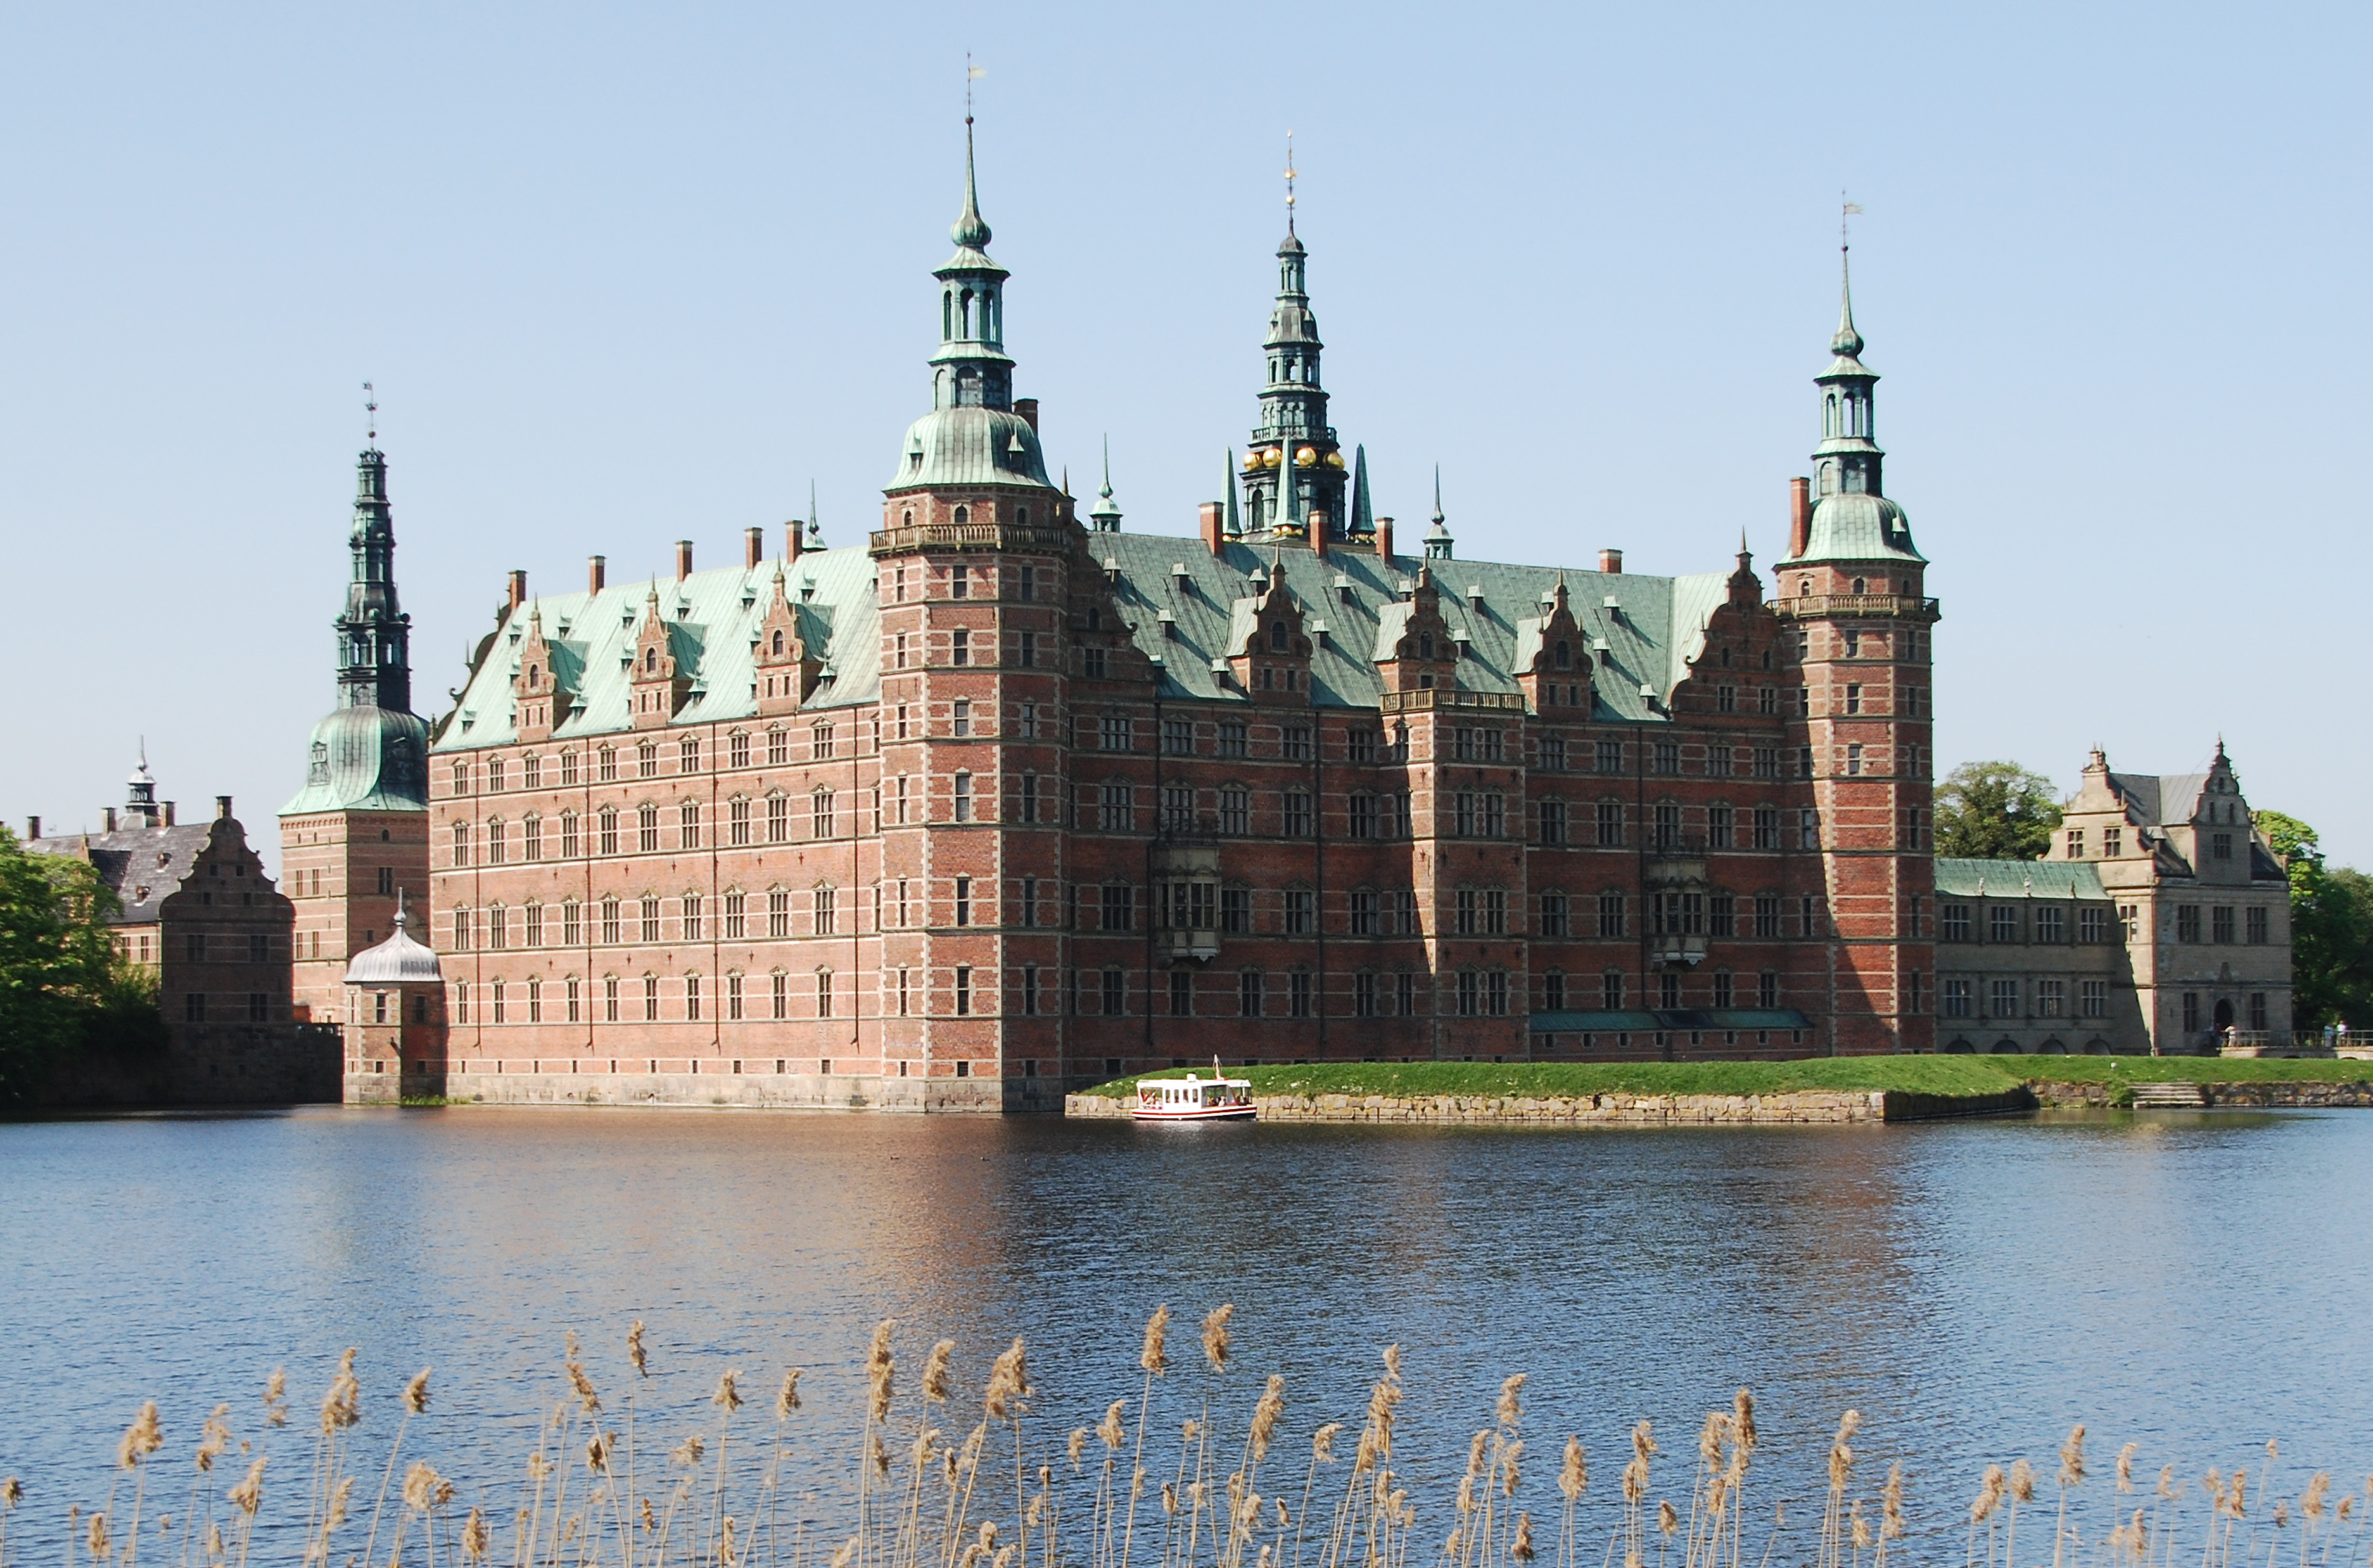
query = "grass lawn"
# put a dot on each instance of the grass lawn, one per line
(1949, 1075)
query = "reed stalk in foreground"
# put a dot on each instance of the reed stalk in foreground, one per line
(582, 1498)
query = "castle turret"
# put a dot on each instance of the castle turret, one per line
(1852, 585)
(1293, 467)
(357, 835)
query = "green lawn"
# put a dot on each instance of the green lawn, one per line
(1950, 1075)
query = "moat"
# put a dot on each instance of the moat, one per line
(2197, 1284)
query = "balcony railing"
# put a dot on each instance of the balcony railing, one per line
(1439, 698)
(968, 536)
(1898, 605)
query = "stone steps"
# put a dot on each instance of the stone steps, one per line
(2169, 1097)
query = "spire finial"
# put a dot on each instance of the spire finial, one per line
(1105, 516)
(1106, 491)
(1847, 342)
(401, 920)
(970, 230)
(1437, 495)
(371, 414)
(1289, 181)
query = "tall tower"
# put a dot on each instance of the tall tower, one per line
(1294, 467)
(356, 836)
(1852, 587)
(971, 570)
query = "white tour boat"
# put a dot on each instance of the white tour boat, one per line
(1216, 1098)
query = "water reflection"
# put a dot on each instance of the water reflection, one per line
(2192, 1282)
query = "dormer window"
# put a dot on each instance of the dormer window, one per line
(533, 676)
(650, 660)
(1565, 656)
(777, 647)
(1276, 635)
(963, 515)
(1095, 618)
(1425, 645)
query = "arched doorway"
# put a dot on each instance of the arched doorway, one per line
(1959, 1048)
(2224, 1016)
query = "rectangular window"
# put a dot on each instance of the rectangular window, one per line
(1364, 913)
(964, 991)
(2092, 925)
(964, 901)
(1767, 988)
(1721, 761)
(2002, 923)
(1553, 820)
(2095, 998)
(534, 925)
(650, 919)
(2051, 998)
(1611, 824)
(1668, 827)
(1553, 993)
(1719, 820)
(1725, 699)
(1117, 906)
(1609, 756)
(1553, 914)
(691, 997)
(651, 998)
(1231, 738)
(778, 913)
(2220, 846)
(1767, 914)
(1808, 915)
(1405, 994)
(2005, 1001)
(2051, 924)
(1767, 762)
(568, 835)
(2220, 924)
(1956, 999)
(1115, 992)
(1115, 810)
(1362, 816)
(1298, 993)
(1611, 914)
(1236, 910)
(960, 717)
(1668, 756)
(1248, 994)
(2257, 924)
(2258, 1012)
(820, 813)
(1301, 907)
(828, 911)
(1610, 990)
(961, 800)
(1235, 809)
(1953, 922)
(959, 646)
(610, 921)
(1113, 732)
(1297, 814)
(823, 996)
(2192, 1013)
(1363, 994)
(2113, 842)
(2186, 922)
(1468, 909)
(1552, 754)
(1721, 915)
(1178, 737)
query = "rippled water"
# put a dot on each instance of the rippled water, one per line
(2197, 1284)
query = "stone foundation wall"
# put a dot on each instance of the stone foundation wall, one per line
(1826, 1107)
(746, 1090)
(209, 1064)
(2220, 1096)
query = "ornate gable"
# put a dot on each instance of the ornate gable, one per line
(540, 697)
(1414, 649)
(1268, 654)
(660, 678)
(788, 662)
(1556, 678)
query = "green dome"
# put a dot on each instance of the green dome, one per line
(1853, 526)
(969, 444)
(365, 759)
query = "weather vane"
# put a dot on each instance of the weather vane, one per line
(972, 73)
(1846, 210)
(1289, 178)
(370, 411)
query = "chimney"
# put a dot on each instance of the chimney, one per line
(596, 573)
(1028, 408)
(1800, 516)
(1611, 562)
(682, 559)
(792, 537)
(222, 808)
(32, 827)
(1384, 539)
(517, 592)
(169, 814)
(754, 546)
(106, 813)
(1318, 534)
(1213, 519)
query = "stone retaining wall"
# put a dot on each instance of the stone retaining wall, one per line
(2220, 1096)
(1831, 1107)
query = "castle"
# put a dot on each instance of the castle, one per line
(1008, 799)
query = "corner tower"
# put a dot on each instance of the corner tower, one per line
(1295, 468)
(973, 566)
(1852, 586)
(355, 837)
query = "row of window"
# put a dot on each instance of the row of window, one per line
(203, 947)
(196, 1009)
(2012, 997)
(1113, 808)
(2049, 924)
(2112, 844)
(900, 905)
(1471, 992)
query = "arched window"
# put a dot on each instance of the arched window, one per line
(1425, 645)
(651, 660)
(1021, 517)
(778, 648)
(1565, 656)
(1276, 635)
(963, 515)
(906, 518)
(947, 314)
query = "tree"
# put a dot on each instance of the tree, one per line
(62, 986)
(2331, 929)
(1996, 811)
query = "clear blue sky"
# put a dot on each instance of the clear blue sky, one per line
(628, 274)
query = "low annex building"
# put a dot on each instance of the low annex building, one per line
(2158, 924)
(1006, 799)
(193, 905)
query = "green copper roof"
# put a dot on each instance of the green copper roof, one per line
(365, 759)
(969, 445)
(2019, 879)
(1853, 526)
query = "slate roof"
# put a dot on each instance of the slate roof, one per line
(2019, 879)
(144, 865)
(1653, 626)
(399, 960)
(2156, 798)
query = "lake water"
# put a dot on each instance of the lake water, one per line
(2197, 1284)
